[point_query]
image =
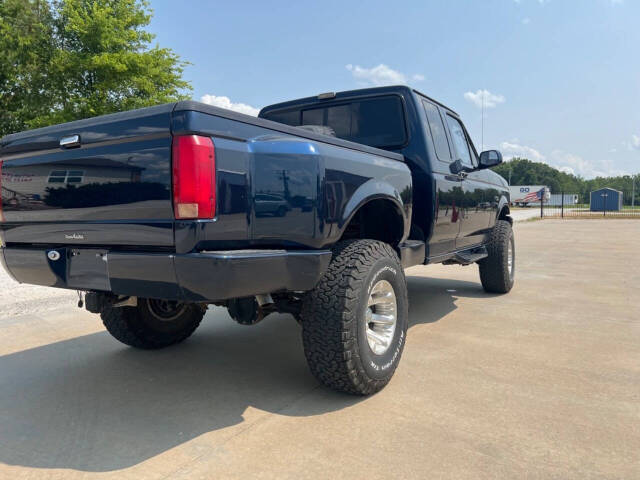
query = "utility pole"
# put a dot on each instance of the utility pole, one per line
(285, 181)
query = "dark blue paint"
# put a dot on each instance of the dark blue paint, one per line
(447, 212)
(279, 189)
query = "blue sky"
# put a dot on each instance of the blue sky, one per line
(560, 78)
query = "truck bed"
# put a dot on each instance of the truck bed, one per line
(105, 203)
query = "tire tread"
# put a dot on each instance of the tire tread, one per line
(330, 315)
(494, 270)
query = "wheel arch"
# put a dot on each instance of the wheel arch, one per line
(376, 211)
(504, 212)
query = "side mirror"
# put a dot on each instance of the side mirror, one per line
(490, 158)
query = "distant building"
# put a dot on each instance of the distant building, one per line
(606, 199)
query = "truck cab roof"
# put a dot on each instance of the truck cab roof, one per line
(349, 94)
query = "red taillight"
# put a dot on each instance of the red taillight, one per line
(194, 177)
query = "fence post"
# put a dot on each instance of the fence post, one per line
(562, 206)
(542, 205)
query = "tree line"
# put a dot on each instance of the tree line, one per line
(522, 171)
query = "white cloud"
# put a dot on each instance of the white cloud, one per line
(586, 168)
(225, 102)
(560, 159)
(510, 150)
(491, 100)
(526, 21)
(616, 2)
(565, 161)
(380, 75)
(633, 144)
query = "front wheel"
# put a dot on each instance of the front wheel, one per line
(354, 323)
(497, 271)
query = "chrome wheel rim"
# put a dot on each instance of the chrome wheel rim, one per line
(381, 317)
(510, 257)
(165, 310)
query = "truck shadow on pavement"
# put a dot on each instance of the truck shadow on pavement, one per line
(91, 404)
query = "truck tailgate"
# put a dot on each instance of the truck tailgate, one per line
(110, 187)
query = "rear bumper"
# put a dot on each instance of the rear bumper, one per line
(195, 277)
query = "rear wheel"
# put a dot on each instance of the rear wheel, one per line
(152, 323)
(354, 323)
(497, 271)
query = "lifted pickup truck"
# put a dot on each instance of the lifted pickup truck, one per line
(313, 209)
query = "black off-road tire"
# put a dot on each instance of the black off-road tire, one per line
(495, 275)
(139, 327)
(333, 318)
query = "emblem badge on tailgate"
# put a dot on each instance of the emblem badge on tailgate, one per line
(74, 236)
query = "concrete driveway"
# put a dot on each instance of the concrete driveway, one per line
(541, 383)
(521, 214)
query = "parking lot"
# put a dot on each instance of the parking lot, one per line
(541, 383)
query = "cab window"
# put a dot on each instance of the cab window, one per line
(437, 130)
(377, 122)
(459, 139)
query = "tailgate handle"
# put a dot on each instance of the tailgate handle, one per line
(70, 141)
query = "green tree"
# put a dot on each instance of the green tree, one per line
(26, 49)
(72, 59)
(525, 172)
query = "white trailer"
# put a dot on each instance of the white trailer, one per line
(529, 195)
(569, 199)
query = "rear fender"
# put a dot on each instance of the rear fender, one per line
(376, 190)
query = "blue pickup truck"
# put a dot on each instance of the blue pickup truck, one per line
(314, 209)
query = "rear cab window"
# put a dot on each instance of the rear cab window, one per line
(288, 117)
(377, 122)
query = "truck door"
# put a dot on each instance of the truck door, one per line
(448, 187)
(475, 208)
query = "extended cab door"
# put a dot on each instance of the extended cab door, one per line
(475, 207)
(448, 187)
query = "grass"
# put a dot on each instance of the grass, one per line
(595, 216)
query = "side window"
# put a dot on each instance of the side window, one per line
(438, 135)
(459, 140)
